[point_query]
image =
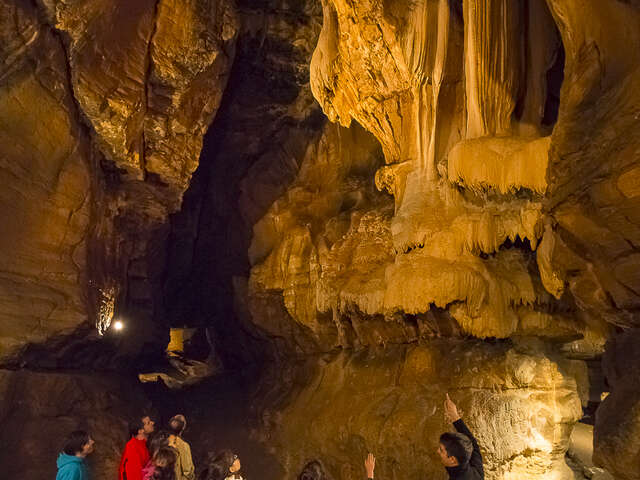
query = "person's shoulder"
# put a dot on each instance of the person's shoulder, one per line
(182, 443)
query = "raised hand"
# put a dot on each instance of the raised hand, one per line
(450, 410)
(370, 465)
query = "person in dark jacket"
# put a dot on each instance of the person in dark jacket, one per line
(459, 452)
(71, 461)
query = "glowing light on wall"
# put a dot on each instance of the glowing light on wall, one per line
(107, 306)
(118, 325)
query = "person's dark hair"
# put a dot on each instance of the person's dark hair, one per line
(157, 440)
(166, 456)
(75, 442)
(219, 465)
(457, 445)
(135, 425)
(176, 426)
(313, 470)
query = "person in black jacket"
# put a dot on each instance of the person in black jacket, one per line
(459, 452)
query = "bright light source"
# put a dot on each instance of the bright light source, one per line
(118, 325)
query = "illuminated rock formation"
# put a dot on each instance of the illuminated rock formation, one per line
(103, 109)
(463, 119)
(45, 199)
(390, 402)
(458, 175)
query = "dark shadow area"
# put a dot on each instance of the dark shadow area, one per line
(265, 122)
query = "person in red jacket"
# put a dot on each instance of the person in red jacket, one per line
(136, 455)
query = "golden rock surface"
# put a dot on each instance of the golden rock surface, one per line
(520, 407)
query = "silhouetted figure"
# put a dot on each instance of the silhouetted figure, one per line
(155, 442)
(71, 461)
(459, 452)
(136, 455)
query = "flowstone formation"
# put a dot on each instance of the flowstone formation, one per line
(489, 115)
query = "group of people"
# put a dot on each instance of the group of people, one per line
(165, 455)
(149, 455)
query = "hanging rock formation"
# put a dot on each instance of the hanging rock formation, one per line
(398, 197)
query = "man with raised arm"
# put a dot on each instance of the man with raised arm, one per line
(459, 452)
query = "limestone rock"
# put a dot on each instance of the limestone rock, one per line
(103, 108)
(520, 406)
(142, 85)
(45, 199)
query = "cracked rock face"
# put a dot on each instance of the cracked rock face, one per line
(101, 130)
(46, 196)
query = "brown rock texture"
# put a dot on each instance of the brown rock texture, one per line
(520, 406)
(103, 108)
(616, 445)
(46, 196)
(401, 192)
(148, 88)
(466, 168)
(38, 410)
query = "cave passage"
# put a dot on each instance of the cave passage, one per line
(304, 225)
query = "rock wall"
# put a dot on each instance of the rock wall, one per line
(39, 409)
(464, 111)
(46, 197)
(616, 446)
(476, 179)
(101, 130)
(520, 405)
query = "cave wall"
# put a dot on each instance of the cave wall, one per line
(46, 195)
(519, 404)
(378, 173)
(101, 130)
(39, 409)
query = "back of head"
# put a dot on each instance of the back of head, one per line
(75, 442)
(164, 461)
(135, 425)
(157, 440)
(313, 470)
(457, 445)
(219, 465)
(224, 458)
(177, 425)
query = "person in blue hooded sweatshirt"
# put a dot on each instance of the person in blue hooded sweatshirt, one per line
(71, 461)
